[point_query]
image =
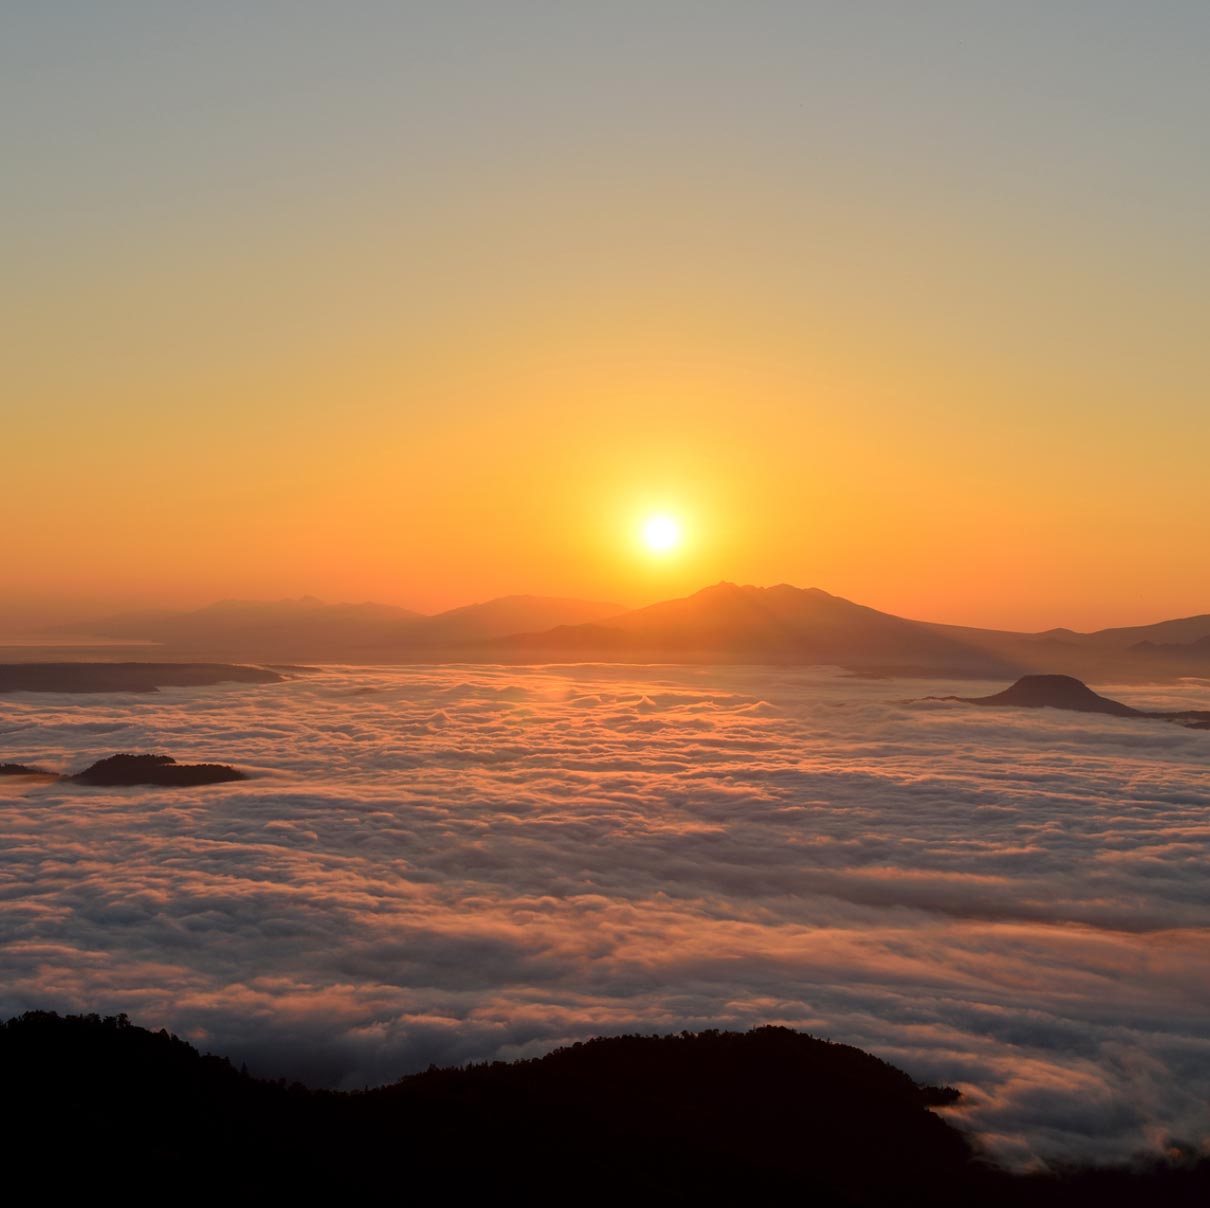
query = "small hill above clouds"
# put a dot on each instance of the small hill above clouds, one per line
(21, 769)
(1055, 692)
(1066, 692)
(127, 769)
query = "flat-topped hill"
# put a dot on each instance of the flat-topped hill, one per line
(1055, 692)
(1067, 692)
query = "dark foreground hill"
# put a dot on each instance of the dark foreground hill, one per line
(763, 1117)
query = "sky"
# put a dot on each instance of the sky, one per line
(429, 303)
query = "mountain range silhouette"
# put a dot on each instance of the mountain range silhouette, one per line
(726, 622)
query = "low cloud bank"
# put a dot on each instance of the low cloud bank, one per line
(451, 864)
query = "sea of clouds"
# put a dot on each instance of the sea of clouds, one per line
(460, 863)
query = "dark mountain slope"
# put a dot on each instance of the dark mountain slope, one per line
(681, 1119)
(92, 1105)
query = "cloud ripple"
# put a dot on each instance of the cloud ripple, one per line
(445, 864)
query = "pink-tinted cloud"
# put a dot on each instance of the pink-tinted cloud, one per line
(444, 864)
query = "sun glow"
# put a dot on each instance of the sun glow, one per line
(661, 534)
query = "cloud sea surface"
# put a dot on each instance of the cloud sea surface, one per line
(460, 863)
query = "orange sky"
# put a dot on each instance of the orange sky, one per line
(934, 344)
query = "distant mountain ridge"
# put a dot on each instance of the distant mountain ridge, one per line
(309, 629)
(1137, 653)
(723, 623)
(241, 618)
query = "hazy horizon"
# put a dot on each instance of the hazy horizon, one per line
(19, 620)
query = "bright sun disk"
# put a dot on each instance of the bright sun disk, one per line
(661, 533)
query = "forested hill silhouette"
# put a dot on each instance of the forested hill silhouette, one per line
(22, 769)
(128, 770)
(766, 1116)
(154, 769)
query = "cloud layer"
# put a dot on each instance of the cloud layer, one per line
(445, 864)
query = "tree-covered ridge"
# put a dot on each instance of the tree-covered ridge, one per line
(765, 1116)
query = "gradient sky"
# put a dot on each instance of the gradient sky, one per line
(430, 303)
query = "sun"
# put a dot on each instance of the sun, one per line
(661, 533)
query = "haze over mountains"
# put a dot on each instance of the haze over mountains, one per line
(723, 623)
(310, 630)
